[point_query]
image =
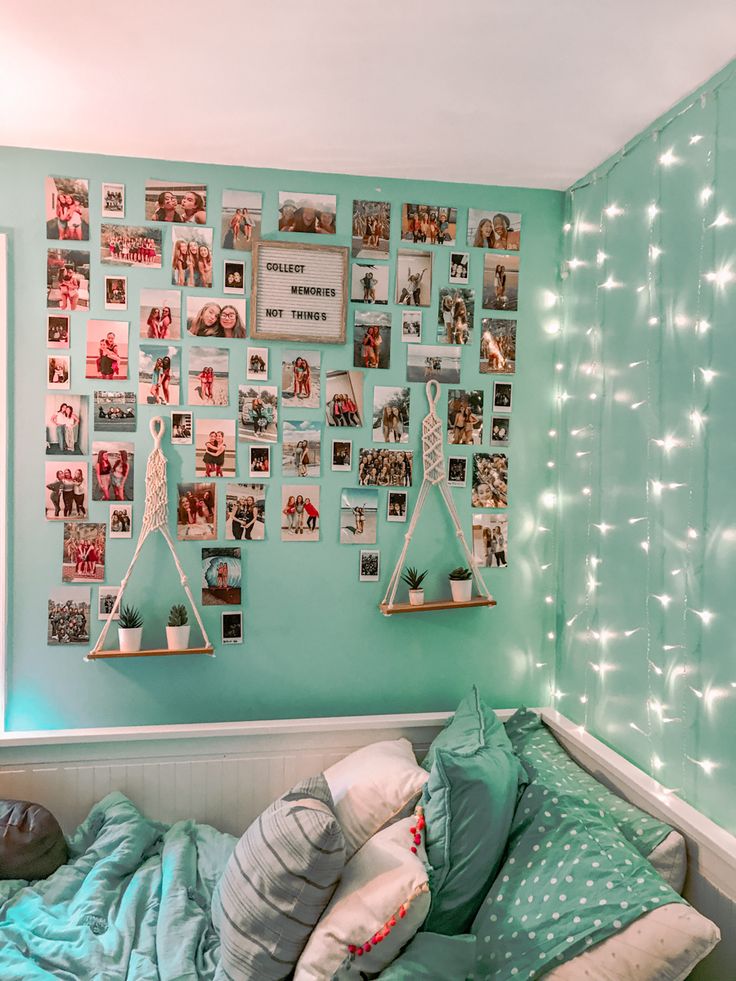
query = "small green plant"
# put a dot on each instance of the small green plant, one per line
(413, 578)
(130, 617)
(461, 574)
(178, 616)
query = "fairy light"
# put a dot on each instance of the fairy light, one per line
(566, 227)
(613, 211)
(654, 252)
(553, 327)
(652, 211)
(705, 615)
(708, 375)
(644, 545)
(707, 766)
(696, 138)
(706, 194)
(668, 158)
(635, 521)
(668, 443)
(600, 257)
(697, 419)
(552, 433)
(720, 220)
(638, 405)
(653, 321)
(701, 326)
(549, 599)
(603, 528)
(610, 284)
(657, 488)
(663, 598)
(586, 492)
(656, 762)
(720, 276)
(549, 499)
(575, 263)
(692, 533)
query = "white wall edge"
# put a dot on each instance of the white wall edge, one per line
(4, 413)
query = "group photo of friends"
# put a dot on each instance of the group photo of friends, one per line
(490, 480)
(131, 245)
(116, 292)
(371, 229)
(196, 512)
(115, 412)
(67, 425)
(429, 224)
(344, 398)
(68, 615)
(191, 257)
(57, 330)
(121, 521)
(385, 468)
(300, 512)
(302, 213)
(67, 496)
(84, 552)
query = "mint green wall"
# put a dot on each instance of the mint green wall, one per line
(315, 643)
(638, 662)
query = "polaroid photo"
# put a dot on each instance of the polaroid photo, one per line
(455, 313)
(368, 284)
(494, 230)
(121, 520)
(57, 330)
(240, 223)
(385, 468)
(344, 398)
(231, 631)
(258, 416)
(428, 224)
(397, 504)
(68, 615)
(67, 208)
(196, 512)
(256, 364)
(342, 454)
(116, 292)
(181, 428)
(490, 540)
(372, 339)
(176, 201)
(107, 349)
(501, 282)
(214, 444)
(233, 277)
(427, 361)
(259, 461)
(160, 314)
(302, 213)
(115, 412)
(459, 268)
(500, 430)
(66, 491)
(502, 396)
(371, 229)
(411, 326)
(67, 279)
(457, 471)
(465, 417)
(106, 597)
(300, 379)
(191, 256)
(67, 425)
(300, 512)
(208, 377)
(131, 245)
(301, 448)
(221, 576)
(497, 346)
(83, 552)
(113, 471)
(159, 374)
(490, 480)
(58, 371)
(113, 200)
(220, 317)
(358, 516)
(413, 278)
(391, 409)
(370, 564)
(245, 512)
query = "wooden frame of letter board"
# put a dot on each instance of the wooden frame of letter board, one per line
(269, 335)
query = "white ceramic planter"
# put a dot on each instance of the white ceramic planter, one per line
(416, 597)
(130, 638)
(462, 590)
(177, 638)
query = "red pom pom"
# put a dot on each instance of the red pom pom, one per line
(359, 951)
(393, 921)
(417, 839)
(414, 849)
(421, 824)
(352, 948)
(378, 938)
(402, 912)
(412, 831)
(366, 948)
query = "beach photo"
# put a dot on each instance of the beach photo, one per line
(426, 361)
(302, 213)
(258, 415)
(494, 229)
(497, 346)
(159, 374)
(464, 417)
(358, 516)
(391, 414)
(160, 314)
(372, 339)
(501, 282)
(240, 222)
(176, 201)
(214, 443)
(208, 377)
(115, 412)
(371, 229)
(300, 378)
(67, 208)
(256, 364)
(301, 448)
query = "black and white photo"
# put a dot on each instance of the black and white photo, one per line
(113, 200)
(457, 471)
(502, 393)
(232, 627)
(459, 268)
(233, 277)
(370, 565)
(500, 430)
(397, 505)
(411, 326)
(342, 454)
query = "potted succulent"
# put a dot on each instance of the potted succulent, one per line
(130, 629)
(414, 580)
(177, 629)
(461, 584)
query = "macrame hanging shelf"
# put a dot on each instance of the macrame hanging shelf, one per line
(434, 476)
(155, 518)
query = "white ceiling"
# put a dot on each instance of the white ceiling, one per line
(520, 92)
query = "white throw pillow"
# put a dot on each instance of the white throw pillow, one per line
(669, 858)
(372, 787)
(662, 945)
(380, 903)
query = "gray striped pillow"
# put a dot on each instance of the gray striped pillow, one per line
(277, 883)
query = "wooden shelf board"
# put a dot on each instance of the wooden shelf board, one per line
(446, 604)
(160, 652)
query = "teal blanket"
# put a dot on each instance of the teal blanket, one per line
(133, 903)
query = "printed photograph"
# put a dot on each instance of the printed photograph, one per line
(181, 428)
(497, 346)
(259, 461)
(500, 429)
(457, 471)
(344, 398)
(397, 504)
(67, 425)
(385, 468)
(240, 223)
(176, 201)
(429, 224)
(256, 364)
(107, 349)
(116, 292)
(502, 395)
(411, 326)
(413, 277)
(465, 417)
(231, 631)
(160, 316)
(494, 229)
(121, 521)
(233, 277)
(66, 492)
(369, 567)
(196, 512)
(501, 282)
(67, 279)
(67, 208)
(369, 284)
(58, 368)
(301, 448)
(69, 615)
(300, 512)
(358, 516)
(208, 378)
(245, 512)
(191, 257)
(159, 374)
(490, 480)
(221, 576)
(214, 442)
(391, 414)
(459, 267)
(258, 415)
(112, 471)
(106, 597)
(425, 361)
(57, 330)
(455, 313)
(342, 454)
(372, 339)
(215, 317)
(115, 412)
(307, 212)
(131, 245)
(83, 552)
(490, 540)
(371, 229)
(300, 378)
(113, 200)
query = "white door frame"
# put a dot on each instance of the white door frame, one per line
(4, 481)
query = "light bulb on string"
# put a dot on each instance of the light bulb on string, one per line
(638, 405)
(600, 257)
(695, 138)
(574, 263)
(652, 211)
(708, 375)
(668, 443)
(613, 211)
(653, 321)
(654, 252)
(720, 220)
(668, 158)
(720, 276)
(697, 419)
(701, 326)
(610, 284)
(705, 615)
(706, 194)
